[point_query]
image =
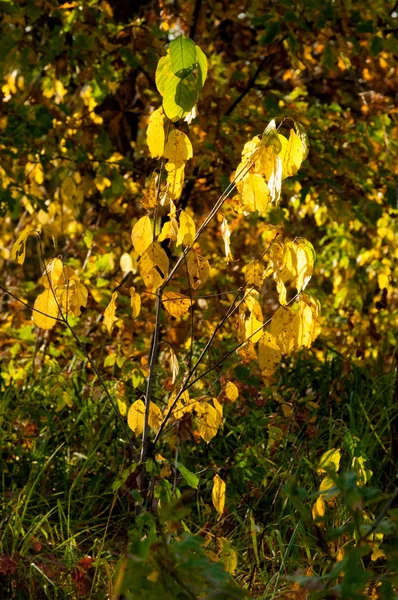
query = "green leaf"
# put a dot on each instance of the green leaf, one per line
(180, 76)
(191, 479)
(182, 56)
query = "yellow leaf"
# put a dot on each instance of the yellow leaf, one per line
(186, 230)
(254, 273)
(231, 391)
(54, 271)
(135, 301)
(154, 266)
(142, 234)
(254, 193)
(219, 411)
(18, 251)
(226, 234)
(178, 147)
(155, 133)
(174, 365)
(182, 406)
(109, 314)
(48, 307)
(297, 327)
(155, 417)
(126, 263)
(229, 556)
(198, 269)
(377, 553)
(175, 179)
(122, 406)
(283, 329)
(307, 325)
(330, 460)
(249, 153)
(135, 417)
(176, 304)
(318, 510)
(292, 155)
(218, 494)
(208, 421)
(326, 485)
(77, 297)
(305, 258)
(269, 354)
(253, 329)
(169, 230)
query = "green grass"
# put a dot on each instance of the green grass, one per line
(63, 529)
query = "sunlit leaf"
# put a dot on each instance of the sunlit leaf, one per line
(208, 421)
(126, 263)
(154, 266)
(135, 302)
(135, 417)
(218, 494)
(176, 304)
(175, 179)
(330, 461)
(269, 354)
(231, 391)
(142, 234)
(178, 148)
(18, 251)
(48, 307)
(254, 273)
(198, 269)
(254, 193)
(155, 417)
(318, 510)
(155, 133)
(226, 234)
(109, 314)
(253, 329)
(186, 230)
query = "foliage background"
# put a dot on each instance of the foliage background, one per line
(77, 91)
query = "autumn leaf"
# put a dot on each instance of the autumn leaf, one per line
(254, 193)
(175, 179)
(186, 230)
(48, 307)
(208, 421)
(226, 234)
(135, 417)
(176, 304)
(253, 329)
(109, 314)
(154, 266)
(269, 354)
(198, 269)
(218, 494)
(142, 234)
(135, 301)
(178, 148)
(329, 461)
(155, 417)
(254, 273)
(18, 251)
(155, 133)
(231, 391)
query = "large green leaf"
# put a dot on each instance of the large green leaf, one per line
(182, 56)
(180, 76)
